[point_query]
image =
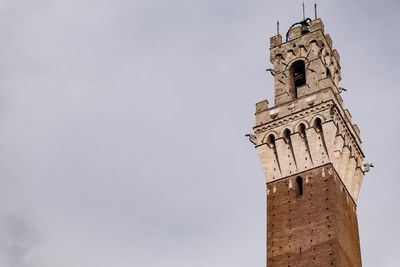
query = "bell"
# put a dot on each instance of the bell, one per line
(304, 28)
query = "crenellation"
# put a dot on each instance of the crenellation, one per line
(275, 41)
(261, 114)
(316, 25)
(295, 32)
(261, 106)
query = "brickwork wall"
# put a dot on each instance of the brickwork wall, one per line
(318, 228)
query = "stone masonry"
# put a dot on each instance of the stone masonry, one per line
(310, 151)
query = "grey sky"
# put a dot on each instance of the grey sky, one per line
(122, 128)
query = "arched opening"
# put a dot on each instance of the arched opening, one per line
(299, 188)
(271, 140)
(299, 74)
(302, 130)
(286, 135)
(318, 125)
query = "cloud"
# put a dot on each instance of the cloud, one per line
(17, 237)
(122, 128)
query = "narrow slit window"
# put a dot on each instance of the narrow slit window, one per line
(299, 181)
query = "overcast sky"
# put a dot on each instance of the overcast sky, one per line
(122, 128)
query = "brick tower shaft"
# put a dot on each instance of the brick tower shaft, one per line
(315, 227)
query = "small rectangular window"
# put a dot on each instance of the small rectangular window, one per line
(299, 182)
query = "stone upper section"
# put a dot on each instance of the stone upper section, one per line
(312, 49)
(308, 126)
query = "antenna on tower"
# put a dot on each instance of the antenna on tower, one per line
(315, 10)
(304, 11)
(277, 27)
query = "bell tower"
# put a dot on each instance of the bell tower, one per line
(310, 152)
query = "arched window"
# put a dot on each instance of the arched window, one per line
(299, 182)
(302, 130)
(286, 135)
(299, 73)
(271, 140)
(318, 125)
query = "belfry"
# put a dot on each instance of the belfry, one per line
(310, 151)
